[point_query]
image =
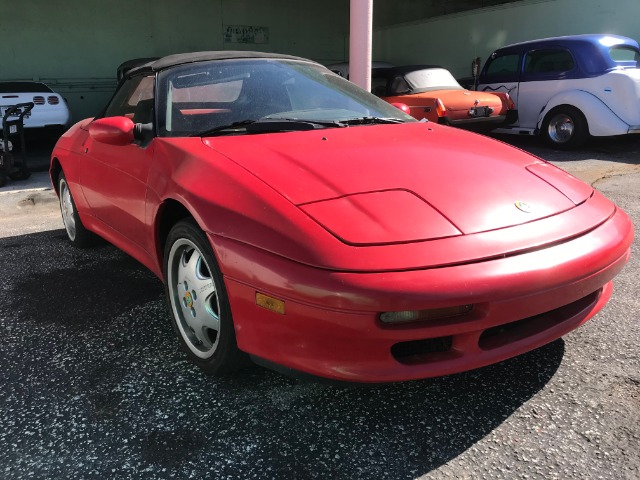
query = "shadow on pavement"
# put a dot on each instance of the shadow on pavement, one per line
(623, 149)
(38, 151)
(93, 386)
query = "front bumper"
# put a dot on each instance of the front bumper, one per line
(44, 118)
(331, 328)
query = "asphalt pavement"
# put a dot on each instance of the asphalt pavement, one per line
(93, 384)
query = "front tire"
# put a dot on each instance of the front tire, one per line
(198, 301)
(565, 128)
(78, 235)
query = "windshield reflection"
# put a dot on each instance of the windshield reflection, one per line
(210, 96)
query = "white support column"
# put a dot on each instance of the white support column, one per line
(360, 42)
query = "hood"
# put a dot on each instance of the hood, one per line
(402, 183)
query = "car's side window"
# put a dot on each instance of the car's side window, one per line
(502, 68)
(399, 86)
(623, 53)
(195, 95)
(549, 61)
(198, 101)
(132, 98)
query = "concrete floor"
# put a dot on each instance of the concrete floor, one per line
(94, 386)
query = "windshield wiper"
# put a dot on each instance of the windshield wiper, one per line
(371, 120)
(230, 128)
(265, 125)
(314, 123)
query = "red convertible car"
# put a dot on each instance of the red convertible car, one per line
(300, 221)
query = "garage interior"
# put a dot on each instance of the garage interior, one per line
(75, 46)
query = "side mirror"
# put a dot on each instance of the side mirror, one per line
(143, 132)
(402, 106)
(112, 130)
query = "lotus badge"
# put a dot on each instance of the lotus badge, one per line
(525, 207)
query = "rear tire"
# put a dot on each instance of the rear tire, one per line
(198, 301)
(79, 236)
(565, 128)
(21, 173)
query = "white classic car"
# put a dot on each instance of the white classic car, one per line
(567, 88)
(50, 109)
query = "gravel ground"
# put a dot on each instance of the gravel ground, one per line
(92, 383)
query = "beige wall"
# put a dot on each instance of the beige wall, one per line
(454, 40)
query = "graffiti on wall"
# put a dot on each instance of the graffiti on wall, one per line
(246, 34)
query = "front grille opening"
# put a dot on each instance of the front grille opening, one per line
(417, 351)
(501, 335)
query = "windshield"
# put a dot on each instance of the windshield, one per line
(205, 96)
(431, 79)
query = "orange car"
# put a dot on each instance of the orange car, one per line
(431, 92)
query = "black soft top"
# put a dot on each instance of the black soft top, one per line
(183, 58)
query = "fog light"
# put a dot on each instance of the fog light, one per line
(421, 315)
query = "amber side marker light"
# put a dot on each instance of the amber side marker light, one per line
(422, 315)
(270, 303)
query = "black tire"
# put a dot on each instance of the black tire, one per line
(198, 301)
(565, 128)
(78, 235)
(21, 173)
(3, 178)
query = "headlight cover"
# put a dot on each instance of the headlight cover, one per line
(380, 218)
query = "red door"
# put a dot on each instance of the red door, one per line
(114, 180)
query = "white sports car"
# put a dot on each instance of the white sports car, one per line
(50, 109)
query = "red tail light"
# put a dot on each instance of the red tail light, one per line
(440, 108)
(52, 100)
(402, 106)
(38, 100)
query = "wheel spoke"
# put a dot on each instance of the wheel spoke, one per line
(190, 261)
(203, 287)
(204, 340)
(211, 321)
(205, 299)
